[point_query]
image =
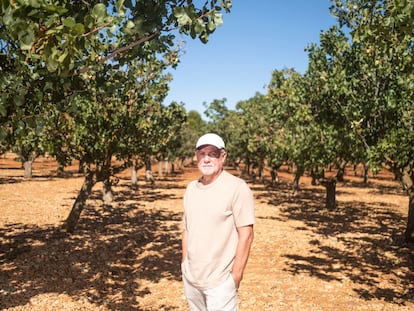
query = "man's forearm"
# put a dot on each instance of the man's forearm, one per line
(242, 252)
(184, 246)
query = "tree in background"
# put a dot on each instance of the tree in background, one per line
(192, 129)
(80, 57)
(121, 119)
(382, 90)
(254, 132)
(302, 141)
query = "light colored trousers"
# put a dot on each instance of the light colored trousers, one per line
(220, 298)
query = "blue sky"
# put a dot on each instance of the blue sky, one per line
(256, 38)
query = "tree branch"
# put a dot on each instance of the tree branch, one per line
(95, 30)
(121, 50)
(129, 46)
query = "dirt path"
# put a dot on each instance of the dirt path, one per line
(126, 256)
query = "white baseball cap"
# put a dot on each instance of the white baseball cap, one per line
(210, 139)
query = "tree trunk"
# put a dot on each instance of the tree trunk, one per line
(60, 170)
(273, 172)
(107, 196)
(408, 184)
(316, 174)
(253, 173)
(167, 167)
(409, 232)
(28, 168)
(148, 171)
(366, 170)
(298, 174)
(261, 172)
(134, 178)
(78, 206)
(274, 176)
(160, 171)
(341, 171)
(314, 177)
(330, 185)
(81, 168)
(247, 168)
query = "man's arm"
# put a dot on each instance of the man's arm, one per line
(242, 252)
(184, 245)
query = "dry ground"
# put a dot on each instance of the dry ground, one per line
(126, 256)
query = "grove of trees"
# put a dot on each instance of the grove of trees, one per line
(353, 105)
(86, 81)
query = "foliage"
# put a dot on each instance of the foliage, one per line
(85, 79)
(50, 50)
(192, 129)
(254, 130)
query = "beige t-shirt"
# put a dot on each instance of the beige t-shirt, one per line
(211, 214)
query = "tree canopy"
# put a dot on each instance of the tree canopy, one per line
(86, 79)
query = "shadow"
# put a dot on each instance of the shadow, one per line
(282, 193)
(376, 187)
(10, 180)
(357, 242)
(106, 261)
(35, 178)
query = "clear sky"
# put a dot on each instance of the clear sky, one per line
(256, 38)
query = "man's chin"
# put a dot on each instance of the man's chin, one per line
(207, 172)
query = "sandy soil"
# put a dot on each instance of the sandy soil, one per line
(126, 256)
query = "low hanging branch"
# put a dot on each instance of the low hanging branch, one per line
(135, 43)
(120, 50)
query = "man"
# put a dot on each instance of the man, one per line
(217, 231)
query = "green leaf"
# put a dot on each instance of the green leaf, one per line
(3, 109)
(119, 5)
(199, 27)
(51, 64)
(63, 56)
(78, 29)
(19, 100)
(211, 26)
(69, 22)
(99, 10)
(55, 9)
(182, 17)
(26, 39)
(7, 16)
(130, 24)
(34, 3)
(218, 18)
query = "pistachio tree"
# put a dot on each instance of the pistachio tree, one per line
(305, 143)
(254, 133)
(380, 92)
(91, 74)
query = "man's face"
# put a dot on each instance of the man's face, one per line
(210, 160)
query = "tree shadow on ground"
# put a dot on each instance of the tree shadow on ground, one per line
(108, 258)
(356, 242)
(376, 187)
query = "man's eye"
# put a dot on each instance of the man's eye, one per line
(213, 154)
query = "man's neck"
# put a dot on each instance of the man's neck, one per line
(208, 179)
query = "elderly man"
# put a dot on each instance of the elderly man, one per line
(217, 230)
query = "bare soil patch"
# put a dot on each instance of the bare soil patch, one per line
(126, 256)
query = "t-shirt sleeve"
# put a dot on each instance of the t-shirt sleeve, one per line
(243, 206)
